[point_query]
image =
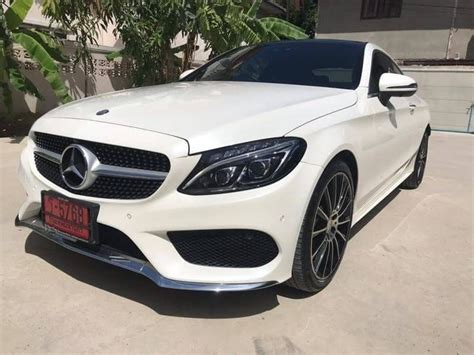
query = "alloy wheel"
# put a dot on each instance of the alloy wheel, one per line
(331, 226)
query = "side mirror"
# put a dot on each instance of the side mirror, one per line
(185, 73)
(391, 84)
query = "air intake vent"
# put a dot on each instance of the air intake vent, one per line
(237, 248)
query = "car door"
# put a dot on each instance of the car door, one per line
(393, 126)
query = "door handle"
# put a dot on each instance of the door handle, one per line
(412, 108)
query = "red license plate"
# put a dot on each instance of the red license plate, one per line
(71, 217)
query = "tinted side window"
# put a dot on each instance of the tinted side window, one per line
(380, 64)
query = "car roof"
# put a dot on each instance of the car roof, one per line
(339, 42)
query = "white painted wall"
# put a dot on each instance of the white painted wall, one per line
(449, 92)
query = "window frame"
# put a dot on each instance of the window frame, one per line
(383, 9)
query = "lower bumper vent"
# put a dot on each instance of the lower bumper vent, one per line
(237, 248)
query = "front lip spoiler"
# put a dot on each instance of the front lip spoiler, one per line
(143, 267)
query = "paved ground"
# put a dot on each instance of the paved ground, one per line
(405, 286)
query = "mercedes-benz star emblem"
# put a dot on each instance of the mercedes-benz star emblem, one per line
(102, 112)
(76, 165)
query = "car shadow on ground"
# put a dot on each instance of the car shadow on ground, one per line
(166, 301)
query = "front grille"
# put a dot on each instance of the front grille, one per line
(104, 186)
(107, 153)
(237, 248)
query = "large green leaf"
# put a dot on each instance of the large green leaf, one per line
(16, 13)
(36, 51)
(48, 43)
(283, 29)
(22, 83)
(248, 34)
(279, 20)
(57, 84)
(254, 8)
(114, 55)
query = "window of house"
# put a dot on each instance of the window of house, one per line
(380, 64)
(381, 9)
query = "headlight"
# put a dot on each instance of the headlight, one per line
(244, 166)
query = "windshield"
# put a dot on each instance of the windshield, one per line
(335, 64)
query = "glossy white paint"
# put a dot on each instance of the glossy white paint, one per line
(391, 82)
(212, 114)
(182, 118)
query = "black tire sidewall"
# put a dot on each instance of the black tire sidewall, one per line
(334, 168)
(423, 142)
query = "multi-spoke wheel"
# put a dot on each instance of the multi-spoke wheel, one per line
(325, 230)
(415, 179)
(331, 226)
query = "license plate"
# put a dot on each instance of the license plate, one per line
(73, 218)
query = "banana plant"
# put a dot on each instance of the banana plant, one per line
(226, 24)
(41, 47)
(148, 32)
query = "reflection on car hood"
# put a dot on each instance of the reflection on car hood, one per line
(212, 114)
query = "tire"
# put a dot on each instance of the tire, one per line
(325, 230)
(416, 177)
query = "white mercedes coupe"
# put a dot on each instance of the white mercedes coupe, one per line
(248, 172)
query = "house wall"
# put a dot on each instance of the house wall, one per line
(106, 76)
(449, 93)
(421, 32)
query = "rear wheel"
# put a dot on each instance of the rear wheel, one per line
(325, 231)
(415, 179)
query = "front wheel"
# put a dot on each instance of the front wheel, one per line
(325, 230)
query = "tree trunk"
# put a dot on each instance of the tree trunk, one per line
(86, 79)
(188, 52)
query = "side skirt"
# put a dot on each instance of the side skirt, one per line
(384, 191)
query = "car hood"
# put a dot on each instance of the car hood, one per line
(212, 114)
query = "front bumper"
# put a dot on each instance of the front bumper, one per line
(124, 261)
(277, 210)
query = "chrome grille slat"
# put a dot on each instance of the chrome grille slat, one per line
(107, 153)
(113, 181)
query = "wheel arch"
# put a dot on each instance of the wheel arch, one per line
(349, 158)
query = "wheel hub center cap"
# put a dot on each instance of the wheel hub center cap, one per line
(332, 224)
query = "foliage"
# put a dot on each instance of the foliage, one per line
(305, 17)
(41, 47)
(229, 24)
(147, 29)
(83, 19)
(148, 32)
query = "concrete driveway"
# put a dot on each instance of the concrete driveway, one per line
(405, 285)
